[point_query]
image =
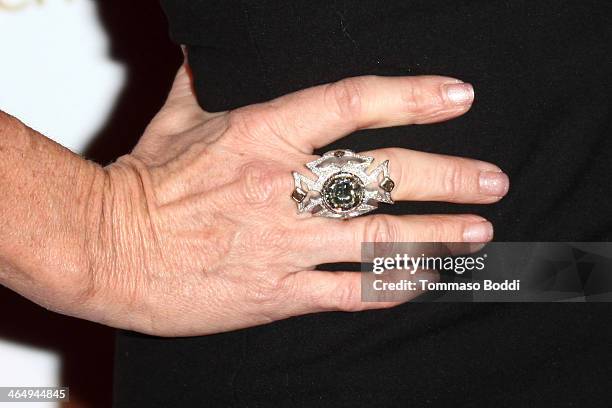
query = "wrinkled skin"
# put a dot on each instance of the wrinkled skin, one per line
(195, 232)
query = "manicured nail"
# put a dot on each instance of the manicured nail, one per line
(459, 94)
(429, 275)
(479, 232)
(493, 183)
(475, 247)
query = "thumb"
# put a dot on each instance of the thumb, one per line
(180, 111)
(181, 94)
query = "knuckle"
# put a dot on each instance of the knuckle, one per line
(266, 288)
(346, 297)
(345, 98)
(452, 180)
(255, 123)
(419, 99)
(380, 228)
(260, 184)
(443, 229)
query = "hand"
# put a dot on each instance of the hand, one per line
(196, 233)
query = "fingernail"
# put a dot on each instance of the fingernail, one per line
(426, 274)
(459, 94)
(493, 183)
(480, 232)
(475, 247)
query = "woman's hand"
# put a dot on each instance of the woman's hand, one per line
(195, 232)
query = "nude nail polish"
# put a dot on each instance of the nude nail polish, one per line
(493, 183)
(479, 232)
(459, 94)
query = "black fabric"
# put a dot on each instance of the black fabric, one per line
(542, 72)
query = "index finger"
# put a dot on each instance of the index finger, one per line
(317, 116)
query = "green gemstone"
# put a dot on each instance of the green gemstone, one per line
(343, 192)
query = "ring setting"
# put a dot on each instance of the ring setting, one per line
(343, 188)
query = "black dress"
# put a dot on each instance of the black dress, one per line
(542, 72)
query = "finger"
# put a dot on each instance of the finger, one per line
(318, 291)
(182, 92)
(181, 110)
(326, 242)
(422, 176)
(317, 116)
(180, 113)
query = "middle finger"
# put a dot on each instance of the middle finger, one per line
(420, 176)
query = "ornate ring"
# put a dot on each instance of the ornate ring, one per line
(343, 188)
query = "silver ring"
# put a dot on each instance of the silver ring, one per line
(343, 188)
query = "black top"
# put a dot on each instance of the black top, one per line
(542, 73)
